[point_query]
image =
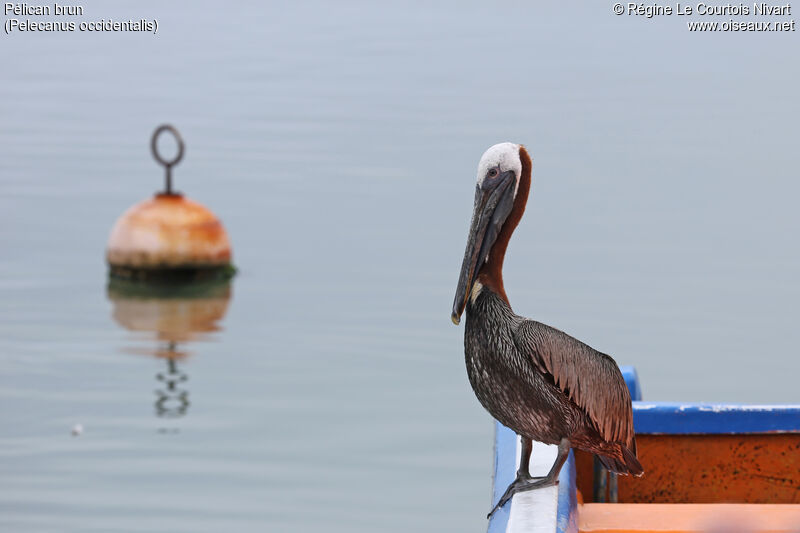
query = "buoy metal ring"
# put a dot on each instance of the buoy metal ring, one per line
(167, 164)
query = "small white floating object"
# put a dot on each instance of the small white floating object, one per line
(77, 429)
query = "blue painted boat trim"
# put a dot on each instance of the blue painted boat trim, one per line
(567, 517)
(505, 464)
(632, 381)
(670, 418)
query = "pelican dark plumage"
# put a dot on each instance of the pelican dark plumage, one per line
(534, 379)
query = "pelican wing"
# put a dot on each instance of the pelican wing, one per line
(589, 378)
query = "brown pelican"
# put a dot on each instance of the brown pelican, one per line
(534, 379)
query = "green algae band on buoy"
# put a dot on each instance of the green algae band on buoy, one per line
(169, 238)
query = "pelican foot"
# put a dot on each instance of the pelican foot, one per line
(522, 484)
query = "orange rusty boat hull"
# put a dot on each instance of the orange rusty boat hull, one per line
(689, 518)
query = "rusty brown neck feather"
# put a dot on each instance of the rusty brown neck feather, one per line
(491, 274)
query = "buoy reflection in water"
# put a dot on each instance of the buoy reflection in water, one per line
(169, 315)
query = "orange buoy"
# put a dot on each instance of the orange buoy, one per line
(169, 238)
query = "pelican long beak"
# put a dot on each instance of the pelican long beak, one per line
(493, 202)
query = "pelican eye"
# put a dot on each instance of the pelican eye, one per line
(492, 173)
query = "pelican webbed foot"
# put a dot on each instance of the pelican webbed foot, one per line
(525, 482)
(522, 484)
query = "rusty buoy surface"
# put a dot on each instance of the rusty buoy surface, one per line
(169, 237)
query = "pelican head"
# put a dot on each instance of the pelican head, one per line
(499, 173)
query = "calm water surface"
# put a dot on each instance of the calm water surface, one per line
(326, 390)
